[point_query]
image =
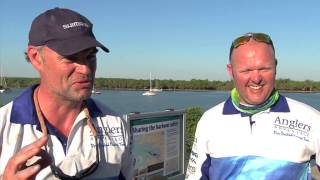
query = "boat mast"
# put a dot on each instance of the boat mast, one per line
(150, 81)
(3, 83)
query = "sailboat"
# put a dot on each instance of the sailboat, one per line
(94, 91)
(156, 89)
(3, 84)
(149, 92)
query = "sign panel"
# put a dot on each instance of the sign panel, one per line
(157, 144)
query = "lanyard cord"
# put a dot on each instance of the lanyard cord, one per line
(42, 121)
(39, 113)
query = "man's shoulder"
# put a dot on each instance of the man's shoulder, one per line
(215, 110)
(103, 109)
(5, 110)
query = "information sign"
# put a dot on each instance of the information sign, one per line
(157, 144)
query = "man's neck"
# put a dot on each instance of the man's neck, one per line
(60, 113)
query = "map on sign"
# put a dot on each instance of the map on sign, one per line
(157, 144)
(149, 149)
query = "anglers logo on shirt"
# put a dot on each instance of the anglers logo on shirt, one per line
(108, 136)
(291, 127)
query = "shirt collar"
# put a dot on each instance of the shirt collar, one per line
(23, 109)
(280, 106)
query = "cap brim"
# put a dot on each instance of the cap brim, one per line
(72, 46)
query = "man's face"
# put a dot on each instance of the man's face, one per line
(70, 78)
(253, 69)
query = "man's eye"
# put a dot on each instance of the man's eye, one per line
(245, 71)
(265, 69)
(65, 60)
(91, 56)
(71, 58)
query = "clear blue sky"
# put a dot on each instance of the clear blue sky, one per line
(174, 39)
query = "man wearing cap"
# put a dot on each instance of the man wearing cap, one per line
(256, 133)
(54, 130)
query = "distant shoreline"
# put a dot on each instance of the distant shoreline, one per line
(190, 90)
(298, 91)
(194, 85)
(199, 90)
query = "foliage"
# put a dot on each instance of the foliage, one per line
(289, 85)
(193, 115)
(193, 84)
(21, 82)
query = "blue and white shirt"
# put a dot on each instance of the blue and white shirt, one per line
(274, 144)
(19, 126)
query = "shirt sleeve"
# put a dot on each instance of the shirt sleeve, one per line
(127, 158)
(198, 165)
(317, 140)
(5, 112)
(2, 125)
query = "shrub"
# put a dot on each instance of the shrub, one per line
(193, 114)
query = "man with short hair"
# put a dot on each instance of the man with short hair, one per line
(54, 130)
(256, 133)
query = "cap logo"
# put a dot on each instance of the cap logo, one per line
(74, 24)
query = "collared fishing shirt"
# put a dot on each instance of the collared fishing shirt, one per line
(274, 144)
(19, 126)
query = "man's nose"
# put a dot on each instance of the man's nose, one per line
(84, 68)
(256, 76)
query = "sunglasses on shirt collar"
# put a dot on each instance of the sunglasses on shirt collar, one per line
(84, 172)
(57, 172)
(259, 37)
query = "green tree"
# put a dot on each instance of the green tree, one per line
(193, 116)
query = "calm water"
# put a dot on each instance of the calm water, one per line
(133, 101)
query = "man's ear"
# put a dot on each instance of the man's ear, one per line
(35, 57)
(229, 68)
(276, 64)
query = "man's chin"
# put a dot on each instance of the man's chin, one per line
(83, 95)
(256, 101)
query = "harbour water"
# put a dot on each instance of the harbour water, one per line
(125, 102)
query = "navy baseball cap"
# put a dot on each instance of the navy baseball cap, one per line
(64, 31)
